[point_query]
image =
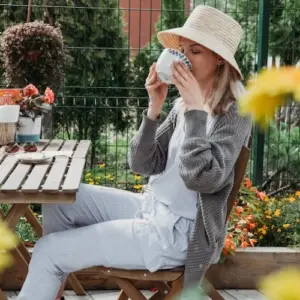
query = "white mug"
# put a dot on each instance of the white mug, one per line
(165, 61)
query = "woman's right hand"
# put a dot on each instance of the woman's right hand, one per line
(157, 91)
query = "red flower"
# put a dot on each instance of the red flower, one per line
(30, 90)
(49, 96)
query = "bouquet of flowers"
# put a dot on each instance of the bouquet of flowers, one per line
(33, 104)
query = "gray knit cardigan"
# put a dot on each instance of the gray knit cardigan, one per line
(207, 162)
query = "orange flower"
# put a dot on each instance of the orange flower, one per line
(239, 210)
(251, 226)
(30, 90)
(247, 183)
(49, 96)
(262, 196)
(252, 242)
(244, 244)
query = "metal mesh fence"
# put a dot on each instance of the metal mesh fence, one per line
(111, 45)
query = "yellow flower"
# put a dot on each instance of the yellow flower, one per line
(268, 217)
(109, 177)
(286, 226)
(88, 175)
(268, 212)
(102, 165)
(138, 186)
(277, 213)
(137, 177)
(297, 194)
(282, 284)
(292, 199)
(298, 220)
(91, 182)
(263, 230)
(8, 241)
(268, 91)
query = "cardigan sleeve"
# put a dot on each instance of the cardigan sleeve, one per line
(149, 147)
(205, 163)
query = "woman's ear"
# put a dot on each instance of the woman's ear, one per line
(220, 61)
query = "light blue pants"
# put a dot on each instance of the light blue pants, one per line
(99, 229)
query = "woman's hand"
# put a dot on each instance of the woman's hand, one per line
(157, 91)
(187, 86)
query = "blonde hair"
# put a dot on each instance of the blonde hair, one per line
(226, 89)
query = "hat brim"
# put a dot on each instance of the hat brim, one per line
(170, 39)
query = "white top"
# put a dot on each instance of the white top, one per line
(168, 187)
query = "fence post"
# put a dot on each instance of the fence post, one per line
(263, 43)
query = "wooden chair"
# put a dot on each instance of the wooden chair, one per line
(170, 282)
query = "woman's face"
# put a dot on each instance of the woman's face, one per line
(205, 63)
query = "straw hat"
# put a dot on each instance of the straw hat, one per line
(211, 28)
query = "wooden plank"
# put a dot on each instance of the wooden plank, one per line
(19, 174)
(82, 149)
(40, 197)
(226, 296)
(73, 177)
(2, 153)
(259, 263)
(69, 145)
(246, 294)
(6, 167)
(162, 275)
(56, 174)
(35, 178)
(112, 295)
(70, 295)
(16, 178)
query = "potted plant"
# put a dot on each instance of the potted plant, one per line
(34, 53)
(32, 106)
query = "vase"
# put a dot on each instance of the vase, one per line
(29, 130)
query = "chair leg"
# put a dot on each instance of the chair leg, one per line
(128, 288)
(163, 290)
(176, 288)
(122, 296)
(210, 291)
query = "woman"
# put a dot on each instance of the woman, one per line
(190, 159)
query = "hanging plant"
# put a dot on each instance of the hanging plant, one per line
(33, 52)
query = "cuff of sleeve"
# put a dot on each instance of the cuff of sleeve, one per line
(195, 121)
(147, 130)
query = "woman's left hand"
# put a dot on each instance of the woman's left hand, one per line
(187, 86)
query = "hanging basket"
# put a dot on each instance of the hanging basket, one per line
(33, 53)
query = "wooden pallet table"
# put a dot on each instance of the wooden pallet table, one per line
(55, 181)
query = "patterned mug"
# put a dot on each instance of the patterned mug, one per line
(165, 61)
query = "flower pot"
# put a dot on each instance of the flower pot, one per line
(29, 130)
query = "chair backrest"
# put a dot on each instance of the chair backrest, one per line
(240, 170)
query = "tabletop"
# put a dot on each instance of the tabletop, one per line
(55, 181)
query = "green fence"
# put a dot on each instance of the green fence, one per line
(103, 93)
